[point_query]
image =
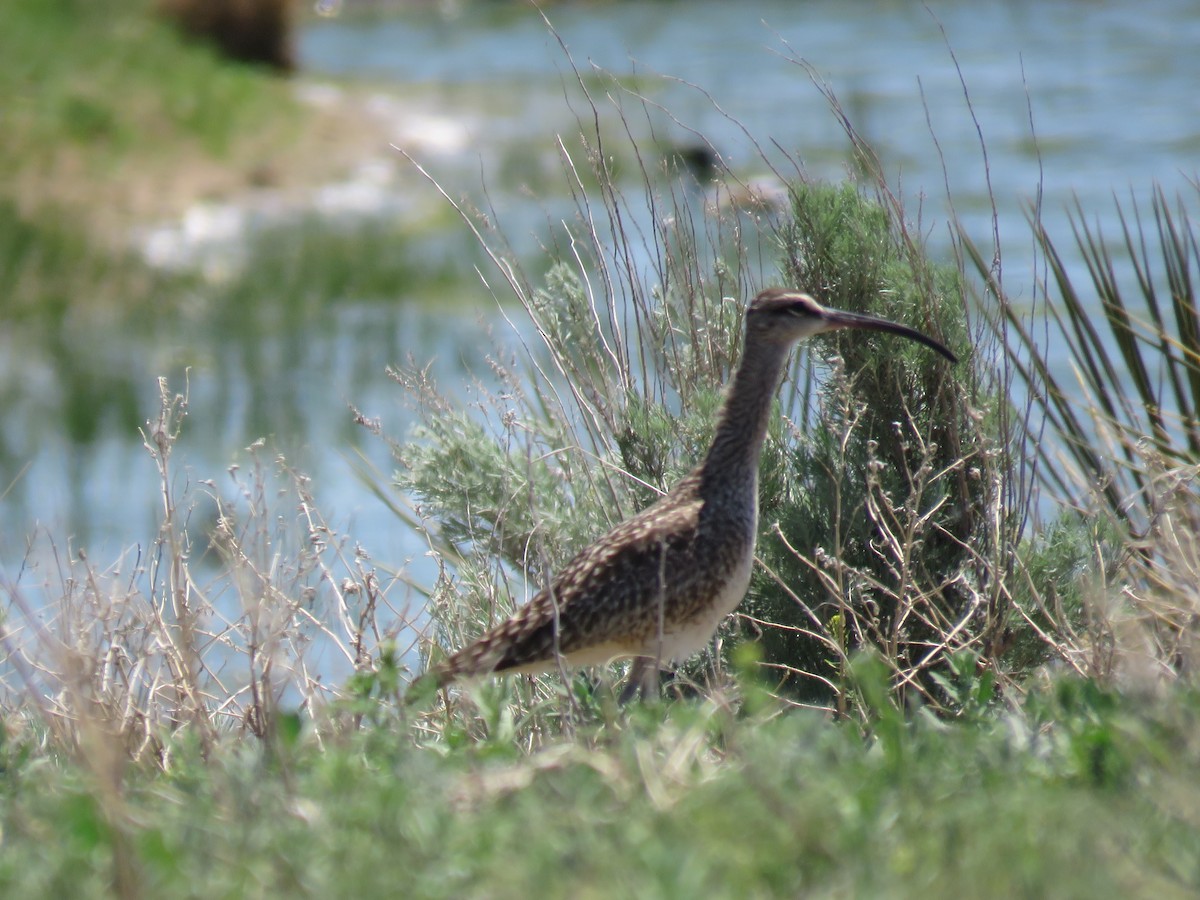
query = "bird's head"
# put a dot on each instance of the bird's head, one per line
(778, 314)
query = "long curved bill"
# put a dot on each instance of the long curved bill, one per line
(836, 318)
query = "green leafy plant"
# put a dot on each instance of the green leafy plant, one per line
(880, 483)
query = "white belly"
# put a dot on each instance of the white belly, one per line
(688, 638)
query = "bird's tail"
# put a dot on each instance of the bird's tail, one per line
(480, 658)
(527, 639)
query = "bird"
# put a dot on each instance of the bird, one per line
(657, 586)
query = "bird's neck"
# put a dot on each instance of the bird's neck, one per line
(742, 425)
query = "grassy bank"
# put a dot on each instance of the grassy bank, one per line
(114, 117)
(115, 120)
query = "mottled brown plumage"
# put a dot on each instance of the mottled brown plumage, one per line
(657, 585)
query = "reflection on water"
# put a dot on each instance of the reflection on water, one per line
(72, 447)
(1110, 86)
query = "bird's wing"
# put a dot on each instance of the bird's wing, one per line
(611, 589)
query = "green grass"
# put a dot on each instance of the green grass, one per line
(1077, 793)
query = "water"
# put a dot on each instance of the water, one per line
(1110, 87)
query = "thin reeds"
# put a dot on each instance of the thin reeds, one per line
(213, 629)
(1118, 440)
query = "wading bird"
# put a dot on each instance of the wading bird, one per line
(656, 586)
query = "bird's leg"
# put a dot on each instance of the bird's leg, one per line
(643, 681)
(644, 673)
